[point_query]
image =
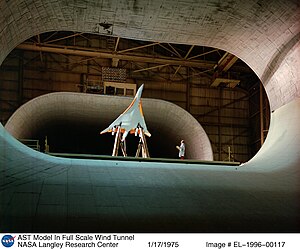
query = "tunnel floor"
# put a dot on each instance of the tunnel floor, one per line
(140, 159)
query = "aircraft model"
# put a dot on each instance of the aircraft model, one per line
(130, 121)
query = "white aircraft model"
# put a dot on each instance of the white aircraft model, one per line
(130, 121)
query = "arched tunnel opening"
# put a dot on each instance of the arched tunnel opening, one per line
(66, 137)
(218, 89)
(72, 123)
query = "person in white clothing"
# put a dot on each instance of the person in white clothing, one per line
(181, 149)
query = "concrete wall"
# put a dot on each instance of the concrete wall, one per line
(167, 122)
(222, 112)
(262, 195)
(75, 195)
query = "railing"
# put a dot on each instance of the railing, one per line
(32, 143)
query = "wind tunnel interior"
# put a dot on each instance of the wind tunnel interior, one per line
(64, 137)
(72, 123)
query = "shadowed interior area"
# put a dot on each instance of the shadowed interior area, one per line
(72, 123)
(71, 138)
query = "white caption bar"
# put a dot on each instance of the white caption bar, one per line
(151, 240)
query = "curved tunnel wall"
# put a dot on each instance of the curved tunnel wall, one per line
(167, 122)
(75, 195)
(261, 35)
(264, 193)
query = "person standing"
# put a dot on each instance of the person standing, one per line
(181, 149)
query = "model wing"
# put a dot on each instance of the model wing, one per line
(131, 119)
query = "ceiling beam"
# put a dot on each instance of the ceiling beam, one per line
(169, 50)
(178, 54)
(149, 68)
(46, 39)
(226, 62)
(178, 68)
(41, 54)
(63, 38)
(80, 51)
(139, 47)
(190, 50)
(202, 54)
(117, 44)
